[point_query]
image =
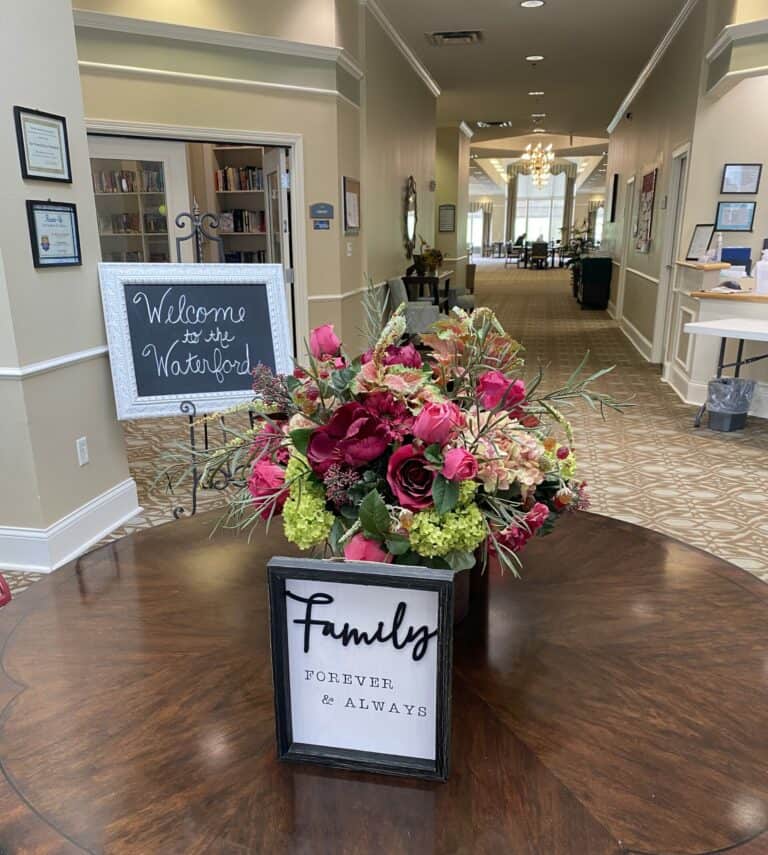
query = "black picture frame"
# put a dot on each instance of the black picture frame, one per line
(720, 226)
(710, 227)
(446, 219)
(614, 197)
(279, 571)
(35, 206)
(750, 192)
(28, 173)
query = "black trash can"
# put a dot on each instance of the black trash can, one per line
(728, 400)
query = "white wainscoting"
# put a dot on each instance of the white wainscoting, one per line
(642, 345)
(44, 549)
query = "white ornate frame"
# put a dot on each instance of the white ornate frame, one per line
(113, 276)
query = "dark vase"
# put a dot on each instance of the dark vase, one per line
(468, 586)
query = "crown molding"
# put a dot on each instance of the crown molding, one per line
(220, 38)
(736, 32)
(400, 44)
(466, 130)
(655, 59)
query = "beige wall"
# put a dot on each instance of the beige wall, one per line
(47, 314)
(663, 117)
(399, 140)
(453, 147)
(312, 21)
(749, 10)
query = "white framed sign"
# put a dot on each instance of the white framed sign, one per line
(361, 659)
(180, 333)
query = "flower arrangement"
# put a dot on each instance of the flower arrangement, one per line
(410, 455)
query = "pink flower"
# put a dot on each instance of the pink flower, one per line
(459, 465)
(563, 452)
(410, 479)
(324, 343)
(437, 422)
(353, 436)
(360, 548)
(266, 479)
(406, 355)
(537, 516)
(268, 444)
(391, 411)
(493, 388)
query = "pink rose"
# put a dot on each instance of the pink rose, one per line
(324, 343)
(360, 548)
(537, 516)
(437, 422)
(410, 479)
(353, 436)
(268, 443)
(459, 465)
(493, 388)
(266, 479)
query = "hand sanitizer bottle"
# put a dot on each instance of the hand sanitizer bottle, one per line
(761, 274)
(719, 247)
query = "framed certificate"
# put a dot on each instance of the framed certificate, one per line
(741, 178)
(53, 234)
(43, 145)
(735, 216)
(702, 237)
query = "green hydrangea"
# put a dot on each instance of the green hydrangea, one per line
(568, 467)
(433, 534)
(467, 490)
(306, 522)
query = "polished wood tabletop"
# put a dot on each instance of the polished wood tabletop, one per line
(613, 701)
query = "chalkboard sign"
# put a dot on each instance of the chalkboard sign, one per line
(191, 332)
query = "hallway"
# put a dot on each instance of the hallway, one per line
(648, 466)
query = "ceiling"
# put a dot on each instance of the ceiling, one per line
(487, 175)
(593, 52)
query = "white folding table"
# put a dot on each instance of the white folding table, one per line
(741, 329)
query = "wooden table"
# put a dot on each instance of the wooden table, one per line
(614, 701)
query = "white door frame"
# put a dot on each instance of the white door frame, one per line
(190, 133)
(673, 226)
(629, 207)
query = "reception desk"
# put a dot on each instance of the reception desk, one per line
(691, 360)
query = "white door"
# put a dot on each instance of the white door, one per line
(629, 208)
(277, 183)
(140, 187)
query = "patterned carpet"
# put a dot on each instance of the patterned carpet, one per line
(649, 466)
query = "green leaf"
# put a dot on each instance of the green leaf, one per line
(434, 454)
(397, 544)
(341, 379)
(291, 383)
(337, 530)
(445, 493)
(300, 439)
(410, 558)
(460, 560)
(374, 516)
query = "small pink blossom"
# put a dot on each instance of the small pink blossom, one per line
(494, 388)
(360, 548)
(459, 465)
(265, 480)
(436, 423)
(563, 452)
(324, 343)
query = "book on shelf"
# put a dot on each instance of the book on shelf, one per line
(154, 221)
(119, 224)
(258, 256)
(152, 181)
(242, 222)
(130, 257)
(239, 178)
(115, 181)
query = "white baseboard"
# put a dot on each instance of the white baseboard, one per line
(42, 550)
(642, 345)
(612, 309)
(694, 393)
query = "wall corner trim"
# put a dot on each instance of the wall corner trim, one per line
(655, 59)
(466, 130)
(222, 38)
(401, 45)
(43, 550)
(736, 32)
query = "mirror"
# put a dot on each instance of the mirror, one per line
(411, 216)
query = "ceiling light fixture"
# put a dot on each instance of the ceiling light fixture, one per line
(539, 131)
(538, 163)
(538, 115)
(534, 57)
(531, 4)
(535, 92)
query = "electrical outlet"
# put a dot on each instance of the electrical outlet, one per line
(349, 249)
(82, 450)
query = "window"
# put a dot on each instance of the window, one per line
(540, 210)
(475, 230)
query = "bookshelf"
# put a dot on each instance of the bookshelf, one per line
(240, 201)
(131, 207)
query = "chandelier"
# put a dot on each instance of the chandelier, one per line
(538, 163)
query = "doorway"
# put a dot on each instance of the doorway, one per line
(249, 181)
(629, 207)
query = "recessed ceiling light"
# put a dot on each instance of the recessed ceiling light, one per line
(539, 131)
(538, 115)
(531, 4)
(534, 57)
(535, 93)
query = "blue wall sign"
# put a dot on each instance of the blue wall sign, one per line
(321, 225)
(321, 211)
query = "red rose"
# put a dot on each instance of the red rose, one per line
(410, 479)
(353, 436)
(360, 548)
(324, 343)
(459, 465)
(494, 388)
(266, 479)
(391, 411)
(437, 422)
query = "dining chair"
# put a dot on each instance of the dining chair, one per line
(539, 255)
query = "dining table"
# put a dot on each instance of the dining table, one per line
(611, 701)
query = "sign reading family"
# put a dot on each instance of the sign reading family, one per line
(361, 657)
(191, 332)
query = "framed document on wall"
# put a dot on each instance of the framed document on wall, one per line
(735, 216)
(53, 234)
(741, 178)
(43, 145)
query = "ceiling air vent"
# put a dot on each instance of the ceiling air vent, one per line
(454, 37)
